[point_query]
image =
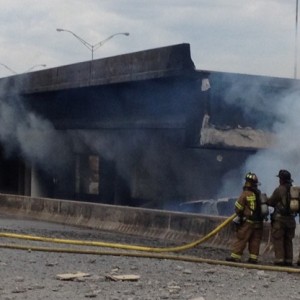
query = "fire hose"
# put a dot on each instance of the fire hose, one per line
(153, 252)
(120, 246)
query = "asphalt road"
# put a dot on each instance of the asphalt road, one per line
(28, 274)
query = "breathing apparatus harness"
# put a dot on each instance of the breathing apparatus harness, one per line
(282, 207)
(288, 205)
(260, 211)
(257, 213)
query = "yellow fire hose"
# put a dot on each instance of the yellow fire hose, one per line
(117, 245)
(139, 248)
(157, 256)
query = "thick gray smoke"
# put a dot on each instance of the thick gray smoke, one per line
(150, 152)
(285, 153)
(283, 109)
(29, 136)
(21, 131)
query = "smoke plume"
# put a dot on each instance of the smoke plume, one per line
(28, 136)
(276, 113)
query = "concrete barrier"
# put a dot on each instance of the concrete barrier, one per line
(160, 224)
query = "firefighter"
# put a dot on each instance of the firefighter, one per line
(282, 220)
(249, 228)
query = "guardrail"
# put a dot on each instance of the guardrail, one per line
(168, 225)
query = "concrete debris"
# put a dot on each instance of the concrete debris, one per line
(19, 290)
(92, 261)
(159, 279)
(164, 295)
(36, 287)
(92, 294)
(49, 264)
(174, 289)
(19, 279)
(115, 270)
(262, 274)
(247, 138)
(127, 277)
(211, 271)
(72, 276)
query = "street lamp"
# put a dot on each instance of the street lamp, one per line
(296, 41)
(15, 73)
(91, 47)
(35, 66)
(8, 68)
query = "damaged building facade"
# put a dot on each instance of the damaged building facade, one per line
(141, 129)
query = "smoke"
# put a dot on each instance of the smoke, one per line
(150, 158)
(275, 111)
(165, 170)
(28, 136)
(285, 152)
(137, 154)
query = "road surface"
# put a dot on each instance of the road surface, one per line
(28, 274)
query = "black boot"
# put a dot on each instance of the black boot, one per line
(232, 259)
(252, 261)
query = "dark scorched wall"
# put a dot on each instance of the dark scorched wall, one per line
(131, 127)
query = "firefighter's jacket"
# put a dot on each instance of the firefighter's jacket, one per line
(280, 200)
(283, 224)
(248, 205)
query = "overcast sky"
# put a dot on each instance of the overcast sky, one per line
(250, 37)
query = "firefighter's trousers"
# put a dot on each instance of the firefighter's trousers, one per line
(248, 233)
(283, 232)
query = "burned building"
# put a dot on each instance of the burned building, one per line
(142, 129)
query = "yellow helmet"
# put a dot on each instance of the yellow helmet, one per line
(251, 178)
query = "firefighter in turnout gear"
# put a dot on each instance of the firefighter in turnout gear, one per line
(249, 229)
(282, 220)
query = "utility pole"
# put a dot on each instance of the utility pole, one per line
(296, 42)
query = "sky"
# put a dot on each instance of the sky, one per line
(255, 37)
(250, 37)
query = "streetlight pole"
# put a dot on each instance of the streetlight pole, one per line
(8, 68)
(91, 47)
(35, 66)
(296, 42)
(15, 73)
